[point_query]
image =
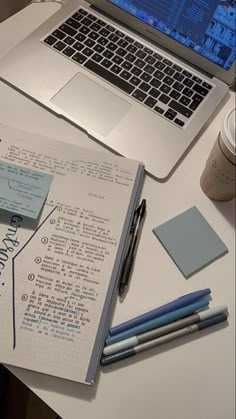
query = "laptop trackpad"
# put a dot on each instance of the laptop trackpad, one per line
(92, 104)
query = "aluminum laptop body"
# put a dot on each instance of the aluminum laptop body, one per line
(123, 121)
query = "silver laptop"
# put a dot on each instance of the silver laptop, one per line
(140, 76)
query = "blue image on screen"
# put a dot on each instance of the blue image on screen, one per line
(205, 26)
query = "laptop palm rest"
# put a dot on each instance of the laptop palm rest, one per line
(90, 103)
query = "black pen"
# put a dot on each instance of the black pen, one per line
(129, 260)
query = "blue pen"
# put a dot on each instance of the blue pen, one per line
(107, 360)
(160, 311)
(158, 321)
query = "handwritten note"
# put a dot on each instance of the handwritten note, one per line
(23, 191)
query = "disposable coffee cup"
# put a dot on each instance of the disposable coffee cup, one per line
(218, 178)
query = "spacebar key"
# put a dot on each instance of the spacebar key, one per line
(110, 77)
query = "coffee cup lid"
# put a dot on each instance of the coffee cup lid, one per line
(228, 130)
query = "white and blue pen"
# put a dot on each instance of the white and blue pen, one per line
(164, 330)
(126, 353)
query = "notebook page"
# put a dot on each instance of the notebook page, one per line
(55, 271)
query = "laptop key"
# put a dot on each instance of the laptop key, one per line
(199, 89)
(167, 62)
(89, 43)
(160, 65)
(108, 54)
(148, 50)
(207, 85)
(179, 122)
(59, 46)
(87, 51)
(117, 59)
(121, 52)
(50, 40)
(154, 92)
(91, 17)
(178, 86)
(145, 77)
(186, 73)
(59, 34)
(99, 48)
(139, 95)
(174, 94)
(168, 80)
(149, 69)
(111, 46)
(134, 80)
(126, 65)
(141, 54)
(80, 37)
(106, 63)
(197, 79)
(187, 92)
(93, 35)
(83, 12)
(103, 41)
(180, 108)
(122, 43)
(78, 46)
(104, 32)
(79, 58)
(116, 69)
(176, 67)
(113, 37)
(97, 57)
(157, 56)
(68, 51)
(109, 77)
(184, 100)
(125, 75)
(159, 109)
(150, 59)
(158, 75)
(170, 114)
(187, 82)
(84, 29)
(155, 83)
(144, 86)
(86, 21)
(165, 89)
(169, 71)
(69, 41)
(95, 27)
(78, 16)
(67, 29)
(74, 23)
(139, 63)
(178, 76)
(136, 71)
(110, 28)
(150, 102)
(163, 98)
(194, 105)
(130, 57)
(131, 48)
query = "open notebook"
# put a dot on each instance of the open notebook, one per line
(59, 273)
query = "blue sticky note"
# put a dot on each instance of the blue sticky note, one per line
(23, 190)
(190, 241)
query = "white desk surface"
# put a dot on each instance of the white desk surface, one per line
(192, 378)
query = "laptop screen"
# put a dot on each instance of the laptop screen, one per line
(205, 26)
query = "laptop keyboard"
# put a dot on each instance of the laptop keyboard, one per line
(142, 73)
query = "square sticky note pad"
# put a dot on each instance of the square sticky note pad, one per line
(190, 241)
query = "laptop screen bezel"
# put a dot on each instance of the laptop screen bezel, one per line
(164, 41)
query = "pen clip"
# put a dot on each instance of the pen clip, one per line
(134, 220)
